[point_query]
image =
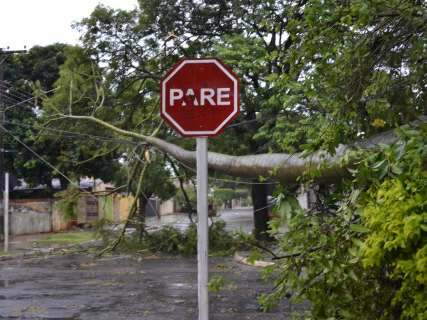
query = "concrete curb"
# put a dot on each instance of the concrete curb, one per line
(48, 251)
(257, 263)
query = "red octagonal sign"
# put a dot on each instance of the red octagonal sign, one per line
(199, 97)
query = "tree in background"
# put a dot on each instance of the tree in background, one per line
(37, 72)
(22, 71)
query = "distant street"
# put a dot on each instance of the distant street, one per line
(240, 219)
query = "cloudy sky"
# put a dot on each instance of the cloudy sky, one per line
(41, 22)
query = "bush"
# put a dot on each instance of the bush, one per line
(67, 202)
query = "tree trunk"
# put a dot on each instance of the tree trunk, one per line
(261, 216)
(143, 199)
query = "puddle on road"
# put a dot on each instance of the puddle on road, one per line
(181, 285)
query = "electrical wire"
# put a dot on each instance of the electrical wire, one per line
(17, 104)
(27, 100)
(14, 93)
(15, 101)
(76, 134)
(44, 160)
(9, 86)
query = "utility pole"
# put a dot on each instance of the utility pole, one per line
(4, 54)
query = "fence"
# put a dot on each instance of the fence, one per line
(29, 216)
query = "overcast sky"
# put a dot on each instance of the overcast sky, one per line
(42, 22)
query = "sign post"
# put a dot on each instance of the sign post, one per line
(202, 227)
(6, 211)
(199, 98)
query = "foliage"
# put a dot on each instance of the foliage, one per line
(170, 240)
(216, 283)
(79, 91)
(360, 252)
(395, 213)
(221, 241)
(356, 68)
(67, 202)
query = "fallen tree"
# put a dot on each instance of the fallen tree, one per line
(281, 166)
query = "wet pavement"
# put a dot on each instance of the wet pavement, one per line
(128, 287)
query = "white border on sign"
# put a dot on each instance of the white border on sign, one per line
(226, 72)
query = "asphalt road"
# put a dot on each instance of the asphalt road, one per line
(126, 287)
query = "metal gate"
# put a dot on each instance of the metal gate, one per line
(91, 208)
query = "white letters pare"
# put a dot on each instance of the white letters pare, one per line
(204, 97)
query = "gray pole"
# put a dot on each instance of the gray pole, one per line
(202, 227)
(2, 162)
(6, 211)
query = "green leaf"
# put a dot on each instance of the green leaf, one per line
(359, 228)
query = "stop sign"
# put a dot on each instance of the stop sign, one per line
(199, 97)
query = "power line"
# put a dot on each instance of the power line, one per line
(36, 154)
(45, 161)
(27, 100)
(8, 85)
(4, 54)
(75, 134)
(13, 100)
(242, 123)
(13, 91)
(18, 102)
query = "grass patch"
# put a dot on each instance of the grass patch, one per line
(72, 237)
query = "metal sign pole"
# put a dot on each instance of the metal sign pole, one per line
(6, 211)
(202, 227)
